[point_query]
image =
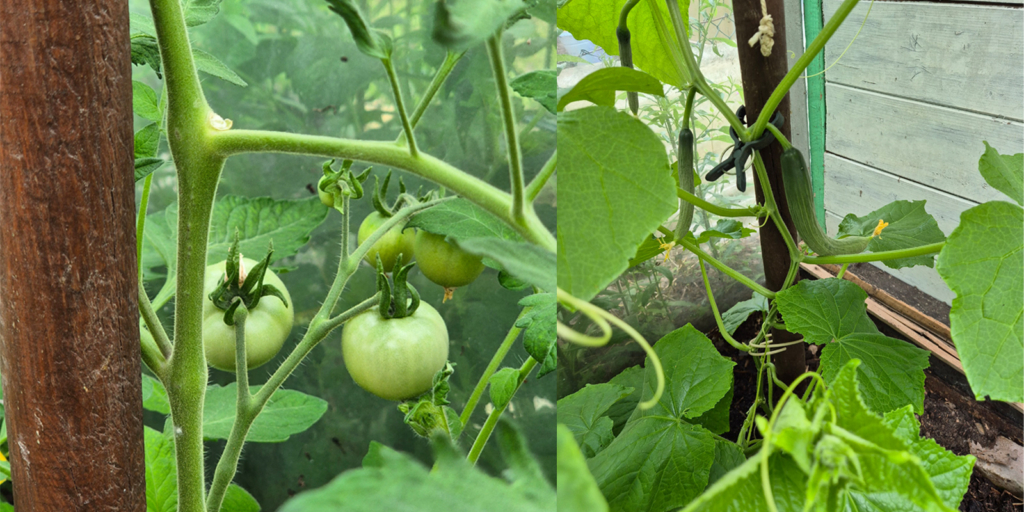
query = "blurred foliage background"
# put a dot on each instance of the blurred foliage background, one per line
(305, 75)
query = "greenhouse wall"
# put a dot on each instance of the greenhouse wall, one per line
(909, 103)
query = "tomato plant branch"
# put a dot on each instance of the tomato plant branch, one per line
(492, 367)
(492, 419)
(921, 250)
(535, 186)
(515, 156)
(718, 317)
(156, 328)
(140, 223)
(799, 66)
(450, 60)
(400, 105)
(721, 211)
(484, 195)
(729, 271)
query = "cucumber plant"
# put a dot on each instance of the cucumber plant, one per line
(650, 439)
(501, 228)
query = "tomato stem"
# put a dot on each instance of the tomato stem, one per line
(492, 367)
(515, 157)
(492, 419)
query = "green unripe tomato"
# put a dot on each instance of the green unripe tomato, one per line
(444, 263)
(266, 327)
(396, 358)
(393, 243)
(325, 197)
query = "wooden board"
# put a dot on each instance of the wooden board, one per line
(959, 55)
(923, 278)
(934, 146)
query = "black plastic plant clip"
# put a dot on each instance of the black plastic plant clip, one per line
(741, 150)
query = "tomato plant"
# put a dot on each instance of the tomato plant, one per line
(379, 80)
(652, 438)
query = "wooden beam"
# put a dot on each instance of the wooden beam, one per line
(69, 333)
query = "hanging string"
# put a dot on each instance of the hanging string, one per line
(765, 32)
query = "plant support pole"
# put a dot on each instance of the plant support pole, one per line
(760, 75)
(70, 336)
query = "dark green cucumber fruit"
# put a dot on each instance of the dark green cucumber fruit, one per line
(685, 168)
(797, 182)
(626, 59)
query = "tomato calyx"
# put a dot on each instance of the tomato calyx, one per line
(241, 287)
(399, 300)
(335, 185)
(380, 194)
(429, 412)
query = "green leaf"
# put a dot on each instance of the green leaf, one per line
(147, 141)
(154, 396)
(1004, 173)
(460, 24)
(161, 472)
(539, 331)
(540, 85)
(833, 312)
(146, 166)
(145, 52)
(609, 162)
(237, 499)
(141, 24)
(697, 377)
(597, 20)
(259, 220)
(583, 413)
(654, 464)
(523, 470)
(716, 420)
(794, 433)
(502, 385)
(525, 261)
(740, 489)
(725, 228)
(199, 12)
(577, 490)
(287, 412)
(144, 102)
(396, 481)
(728, 456)
(209, 64)
(370, 41)
(599, 87)
(460, 220)
(909, 226)
(951, 474)
(621, 411)
(736, 315)
(982, 262)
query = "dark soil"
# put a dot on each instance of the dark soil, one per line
(952, 418)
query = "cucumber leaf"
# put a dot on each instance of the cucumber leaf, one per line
(599, 87)
(909, 226)
(584, 414)
(539, 85)
(577, 490)
(1004, 173)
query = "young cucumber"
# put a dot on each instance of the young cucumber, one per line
(626, 59)
(797, 183)
(685, 168)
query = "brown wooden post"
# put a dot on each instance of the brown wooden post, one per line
(760, 76)
(69, 334)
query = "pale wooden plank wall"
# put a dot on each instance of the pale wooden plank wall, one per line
(909, 104)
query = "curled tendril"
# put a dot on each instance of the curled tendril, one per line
(602, 319)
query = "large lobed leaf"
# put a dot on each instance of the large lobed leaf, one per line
(909, 226)
(577, 490)
(584, 414)
(833, 313)
(615, 188)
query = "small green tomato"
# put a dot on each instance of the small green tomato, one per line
(394, 242)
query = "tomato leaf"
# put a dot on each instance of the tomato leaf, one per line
(460, 220)
(539, 335)
(522, 260)
(503, 384)
(145, 52)
(144, 102)
(209, 64)
(370, 41)
(460, 24)
(147, 141)
(154, 396)
(539, 85)
(199, 12)
(287, 413)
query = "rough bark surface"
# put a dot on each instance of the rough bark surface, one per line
(760, 75)
(69, 335)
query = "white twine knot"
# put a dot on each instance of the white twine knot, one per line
(765, 32)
